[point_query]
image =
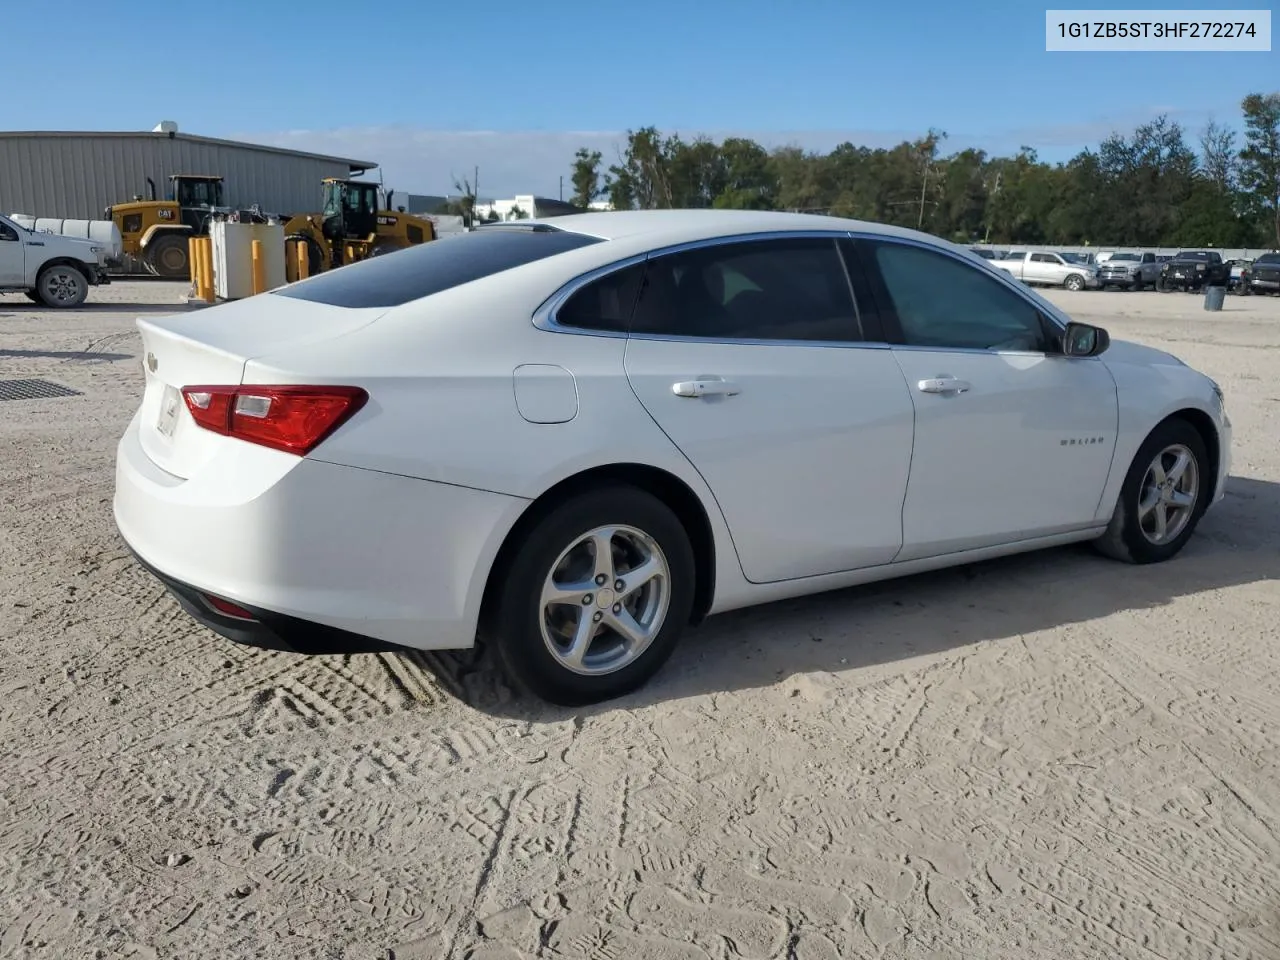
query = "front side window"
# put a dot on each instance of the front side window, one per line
(7, 232)
(943, 302)
(1044, 258)
(778, 289)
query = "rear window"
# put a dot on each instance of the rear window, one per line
(396, 278)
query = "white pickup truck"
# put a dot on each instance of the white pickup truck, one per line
(54, 270)
(1048, 269)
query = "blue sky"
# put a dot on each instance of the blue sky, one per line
(515, 87)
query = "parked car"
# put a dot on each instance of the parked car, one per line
(984, 253)
(1193, 270)
(1048, 269)
(1264, 275)
(50, 269)
(1238, 281)
(574, 437)
(1132, 271)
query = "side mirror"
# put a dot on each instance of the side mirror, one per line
(1084, 340)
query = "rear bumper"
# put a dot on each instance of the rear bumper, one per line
(323, 555)
(269, 630)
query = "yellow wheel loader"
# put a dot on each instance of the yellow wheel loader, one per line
(354, 226)
(155, 232)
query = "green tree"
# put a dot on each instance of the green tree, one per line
(1145, 187)
(1260, 158)
(586, 177)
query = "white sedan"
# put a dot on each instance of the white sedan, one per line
(572, 438)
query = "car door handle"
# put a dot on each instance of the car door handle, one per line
(943, 385)
(705, 387)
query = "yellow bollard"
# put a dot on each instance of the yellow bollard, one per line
(207, 293)
(193, 264)
(259, 269)
(304, 260)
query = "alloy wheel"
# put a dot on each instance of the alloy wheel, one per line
(1169, 492)
(605, 600)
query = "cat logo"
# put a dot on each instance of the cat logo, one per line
(385, 221)
(1081, 441)
(165, 214)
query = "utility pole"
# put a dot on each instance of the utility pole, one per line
(923, 183)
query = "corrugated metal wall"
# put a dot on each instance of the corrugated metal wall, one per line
(77, 176)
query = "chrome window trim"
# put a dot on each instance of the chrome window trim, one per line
(544, 317)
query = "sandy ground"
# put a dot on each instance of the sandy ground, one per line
(1053, 756)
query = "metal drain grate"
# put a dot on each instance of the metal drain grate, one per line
(34, 390)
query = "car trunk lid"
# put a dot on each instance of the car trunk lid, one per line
(211, 347)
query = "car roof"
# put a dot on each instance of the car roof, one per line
(663, 227)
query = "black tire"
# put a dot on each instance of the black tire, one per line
(315, 254)
(1162, 285)
(1074, 282)
(515, 627)
(1125, 538)
(167, 256)
(62, 286)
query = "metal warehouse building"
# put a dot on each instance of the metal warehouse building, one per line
(77, 175)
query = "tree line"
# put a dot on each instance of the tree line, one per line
(1158, 186)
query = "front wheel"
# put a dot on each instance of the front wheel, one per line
(1163, 497)
(1074, 283)
(596, 597)
(167, 256)
(61, 286)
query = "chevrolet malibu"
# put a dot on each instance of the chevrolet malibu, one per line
(572, 438)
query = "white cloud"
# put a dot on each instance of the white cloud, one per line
(416, 160)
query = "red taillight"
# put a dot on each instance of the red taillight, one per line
(228, 609)
(289, 418)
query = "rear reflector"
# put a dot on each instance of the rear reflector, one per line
(289, 418)
(227, 608)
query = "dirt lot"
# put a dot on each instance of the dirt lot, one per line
(1053, 756)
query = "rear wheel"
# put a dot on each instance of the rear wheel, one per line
(61, 286)
(167, 256)
(1164, 495)
(596, 598)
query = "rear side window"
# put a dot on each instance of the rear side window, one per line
(783, 289)
(396, 278)
(604, 304)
